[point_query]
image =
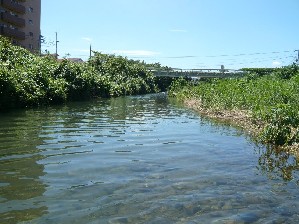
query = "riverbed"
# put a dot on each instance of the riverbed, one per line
(138, 159)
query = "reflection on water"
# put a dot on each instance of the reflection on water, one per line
(277, 164)
(19, 169)
(138, 160)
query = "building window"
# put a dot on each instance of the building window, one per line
(30, 22)
(31, 46)
(30, 34)
(30, 9)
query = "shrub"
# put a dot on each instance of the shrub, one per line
(271, 98)
(30, 80)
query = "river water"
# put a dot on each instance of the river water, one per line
(139, 159)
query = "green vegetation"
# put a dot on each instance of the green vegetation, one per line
(30, 80)
(270, 97)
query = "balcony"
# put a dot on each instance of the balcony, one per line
(8, 18)
(13, 6)
(16, 34)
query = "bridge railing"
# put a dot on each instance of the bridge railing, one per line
(198, 73)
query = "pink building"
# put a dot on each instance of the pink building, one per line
(20, 21)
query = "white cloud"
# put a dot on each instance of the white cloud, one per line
(276, 63)
(88, 39)
(135, 52)
(178, 31)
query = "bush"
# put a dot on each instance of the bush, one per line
(30, 80)
(272, 100)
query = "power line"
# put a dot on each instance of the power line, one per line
(256, 59)
(228, 55)
(238, 59)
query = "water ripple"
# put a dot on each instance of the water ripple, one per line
(138, 160)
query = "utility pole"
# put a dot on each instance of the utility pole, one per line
(297, 57)
(56, 46)
(40, 44)
(90, 51)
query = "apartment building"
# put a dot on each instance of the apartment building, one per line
(20, 21)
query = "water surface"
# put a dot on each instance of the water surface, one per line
(138, 159)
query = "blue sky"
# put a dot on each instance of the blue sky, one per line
(177, 33)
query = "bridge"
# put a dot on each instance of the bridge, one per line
(198, 73)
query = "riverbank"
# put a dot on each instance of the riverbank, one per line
(240, 119)
(265, 105)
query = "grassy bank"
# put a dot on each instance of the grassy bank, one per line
(265, 102)
(28, 80)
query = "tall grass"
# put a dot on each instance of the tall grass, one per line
(271, 98)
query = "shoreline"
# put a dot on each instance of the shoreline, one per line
(238, 118)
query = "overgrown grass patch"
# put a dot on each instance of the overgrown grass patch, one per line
(270, 98)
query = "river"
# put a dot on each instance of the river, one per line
(138, 159)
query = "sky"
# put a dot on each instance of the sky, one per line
(187, 34)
